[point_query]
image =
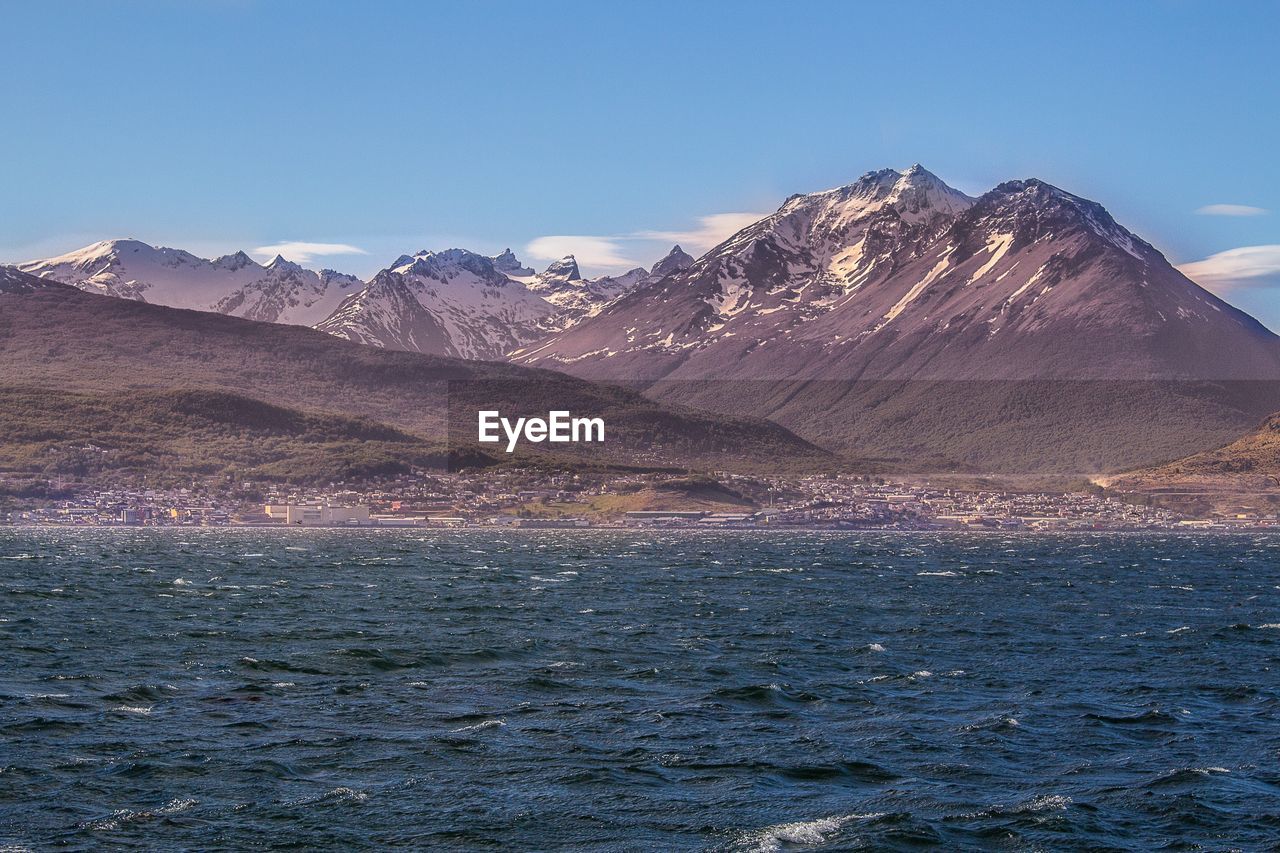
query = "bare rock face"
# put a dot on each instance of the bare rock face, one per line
(896, 317)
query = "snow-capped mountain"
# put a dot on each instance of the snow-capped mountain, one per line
(781, 271)
(279, 292)
(468, 305)
(455, 303)
(575, 298)
(899, 276)
(854, 301)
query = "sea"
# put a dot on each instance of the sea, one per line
(223, 689)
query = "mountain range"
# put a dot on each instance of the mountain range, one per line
(895, 319)
(453, 302)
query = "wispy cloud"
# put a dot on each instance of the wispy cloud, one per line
(302, 252)
(1248, 266)
(618, 252)
(710, 231)
(602, 252)
(1231, 210)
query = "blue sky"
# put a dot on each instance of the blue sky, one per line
(394, 126)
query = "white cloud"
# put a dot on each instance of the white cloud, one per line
(709, 232)
(602, 252)
(620, 252)
(1248, 266)
(302, 252)
(1231, 210)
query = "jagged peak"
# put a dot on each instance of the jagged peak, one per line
(234, 261)
(279, 262)
(446, 263)
(1036, 200)
(566, 268)
(507, 262)
(674, 261)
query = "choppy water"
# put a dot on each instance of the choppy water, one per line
(627, 691)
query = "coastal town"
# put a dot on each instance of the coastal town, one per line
(518, 498)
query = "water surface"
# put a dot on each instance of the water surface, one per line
(205, 689)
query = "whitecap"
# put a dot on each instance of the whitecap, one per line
(818, 831)
(1041, 803)
(946, 574)
(487, 724)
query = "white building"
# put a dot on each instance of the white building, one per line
(318, 515)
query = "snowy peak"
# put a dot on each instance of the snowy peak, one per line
(915, 195)
(281, 292)
(113, 253)
(279, 264)
(233, 262)
(565, 269)
(451, 302)
(508, 264)
(918, 192)
(1033, 211)
(675, 261)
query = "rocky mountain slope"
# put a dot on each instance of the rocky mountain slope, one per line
(1250, 462)
(1023, 330)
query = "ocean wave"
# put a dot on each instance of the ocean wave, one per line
(1146, 717)
(1039, 803)
(122, 817)
(800, 833)
(997, 724)
(479, 727)
(1186, 775)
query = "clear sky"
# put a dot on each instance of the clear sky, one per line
(612, 129)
